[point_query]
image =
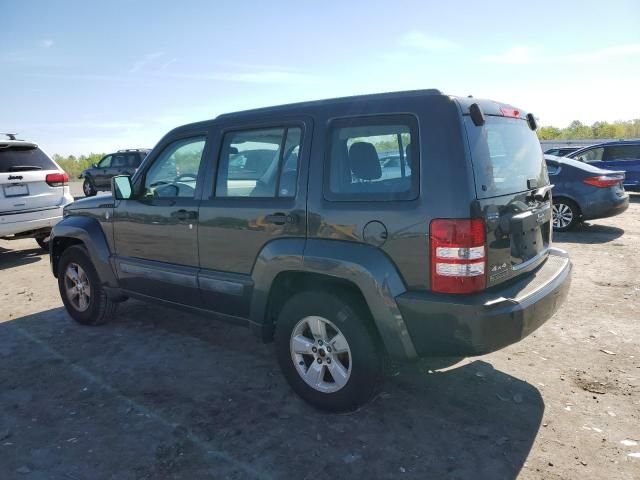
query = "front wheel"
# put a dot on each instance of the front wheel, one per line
(565, 215)
(328, 351)
(81, 290)
(88, 188)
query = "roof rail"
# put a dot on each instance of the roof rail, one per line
(11, 136)
(133, 150)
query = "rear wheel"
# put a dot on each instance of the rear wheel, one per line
(43, 241)
(328, 352)
(565, 215)
(80, 288)
(88, 188)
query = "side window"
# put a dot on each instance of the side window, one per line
(105, 162)
(553, 167)
(174, 173)
(593, 155)
(623, 152)
(372, 158)
(259, 163)
(119, 161)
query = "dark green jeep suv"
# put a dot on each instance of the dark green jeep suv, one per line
(349, 231)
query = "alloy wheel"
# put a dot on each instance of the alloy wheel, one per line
(321, 354)
(562, 215)
(77, 287)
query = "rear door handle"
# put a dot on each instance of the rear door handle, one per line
(185, 214)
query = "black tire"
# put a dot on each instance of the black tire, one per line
(88, 188)
(43, 241)
(367, 355)
(100, 308)
(565, 214)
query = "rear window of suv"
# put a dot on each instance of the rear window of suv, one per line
(506, 154)
(372, 159)
(23, 159)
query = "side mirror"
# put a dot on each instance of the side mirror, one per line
(121, 187)
(94, 165)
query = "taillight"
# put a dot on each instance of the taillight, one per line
(510, 112)
(458, 255)
(56, 179)
(604, 181)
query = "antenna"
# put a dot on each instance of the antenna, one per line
(12, 136)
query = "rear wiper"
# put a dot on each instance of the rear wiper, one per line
(24, 168)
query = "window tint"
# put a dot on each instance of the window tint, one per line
(623, 152)
(21, 159)
(372, 159)
(552, 167)
(121, 160)
(175, 171)
(105, 162)
(593, 155)
(259, 163)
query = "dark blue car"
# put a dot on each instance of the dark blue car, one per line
(584, 192)
(621, 155)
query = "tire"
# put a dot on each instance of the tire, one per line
(97, 308)
(358, 370)
(43, 241)
(88, 188)
(565, 215)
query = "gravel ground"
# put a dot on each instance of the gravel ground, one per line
(160, 394)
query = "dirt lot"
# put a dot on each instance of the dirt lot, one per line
(160, 394)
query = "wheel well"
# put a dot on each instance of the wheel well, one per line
(60, 244)
(287, 284)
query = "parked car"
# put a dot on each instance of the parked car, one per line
(340, 262)
(620, 155)
(561, 151)
(584, 192)
(33, 192)
(123, 162)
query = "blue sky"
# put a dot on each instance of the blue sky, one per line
(79, 76)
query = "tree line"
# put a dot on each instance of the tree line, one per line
(75, 165)
(579, 131)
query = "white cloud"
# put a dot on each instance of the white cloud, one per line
(526, 54)
(145, 61)
(421, 41)
(47, 43)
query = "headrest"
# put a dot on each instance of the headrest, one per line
(364, 162)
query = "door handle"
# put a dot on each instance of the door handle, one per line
(280, 218)
(185, 215)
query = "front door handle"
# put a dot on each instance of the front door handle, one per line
(185, 215)
(281, 218)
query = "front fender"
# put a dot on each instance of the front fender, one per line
(365, 266)
(88, 231)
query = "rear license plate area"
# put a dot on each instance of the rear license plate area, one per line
(15, 190)
(530, 234)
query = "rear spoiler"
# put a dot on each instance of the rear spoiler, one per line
(478, 118)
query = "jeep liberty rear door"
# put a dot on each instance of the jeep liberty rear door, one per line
(513, 192)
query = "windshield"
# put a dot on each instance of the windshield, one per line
(22, 159)
(506, 154)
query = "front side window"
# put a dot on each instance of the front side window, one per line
(372, 158)
(259, 163)
(105, 162)
(174, 173)
(593, 155)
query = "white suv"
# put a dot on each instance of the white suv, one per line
(33, 191)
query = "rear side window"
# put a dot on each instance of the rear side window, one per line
(372, 159)
(259, 163)
(22, 159)
(623, 152)
(592, 155)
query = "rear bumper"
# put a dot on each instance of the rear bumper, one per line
(607, 207)
(454, 325)
(17, 223)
